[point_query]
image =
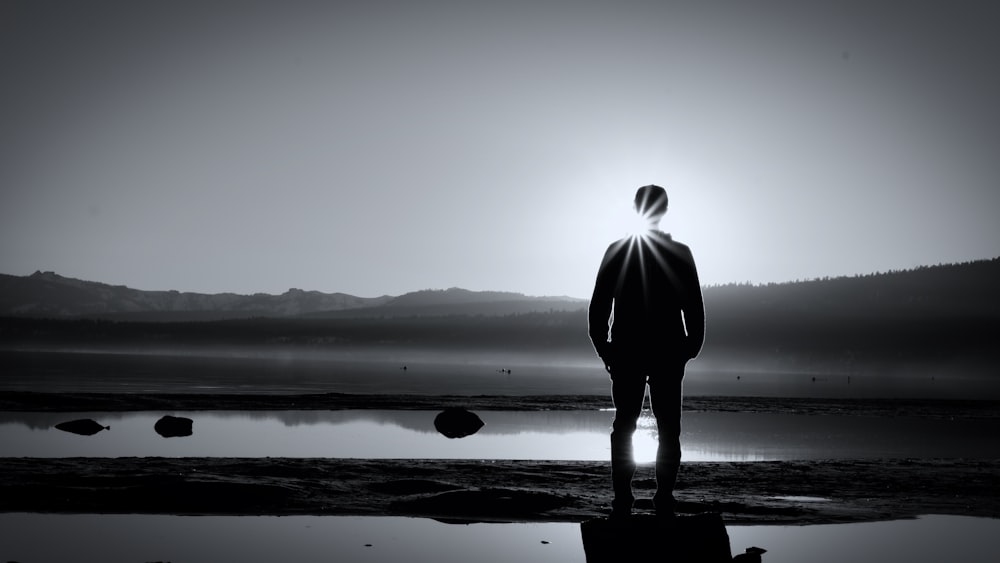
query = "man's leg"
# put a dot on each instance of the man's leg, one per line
(628, 389)
(665, 396)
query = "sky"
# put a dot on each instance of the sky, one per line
(381, 147)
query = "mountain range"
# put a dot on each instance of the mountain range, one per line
(940, 319)
(47, 294)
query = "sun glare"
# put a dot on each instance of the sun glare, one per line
(640, 225)
(645, 441)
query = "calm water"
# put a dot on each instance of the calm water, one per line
(290, 539)
(312, 371)
(557, 435)
(534, 435)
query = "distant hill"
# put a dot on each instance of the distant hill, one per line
(938, 319)
(46, 294)
(945, 314)
(456, 301)
(961, 290)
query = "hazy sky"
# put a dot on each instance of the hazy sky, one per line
(380, 147)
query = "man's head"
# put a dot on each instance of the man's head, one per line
(651, 202)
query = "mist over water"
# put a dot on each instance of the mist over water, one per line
(400, 370)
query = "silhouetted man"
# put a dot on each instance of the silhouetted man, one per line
(647, 319)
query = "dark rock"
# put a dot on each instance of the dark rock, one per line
(752, 555)
(698, 538)
(173, 426)
(457, 422)
(83, 426)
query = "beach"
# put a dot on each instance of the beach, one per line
(770, 492)
(795, 493)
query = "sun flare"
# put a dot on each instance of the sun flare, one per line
(641, 225)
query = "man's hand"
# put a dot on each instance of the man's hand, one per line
(607, 356)
(691, 350)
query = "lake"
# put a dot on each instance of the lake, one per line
(131, 538)
(312, 371)
(535, 435)
(525, 435)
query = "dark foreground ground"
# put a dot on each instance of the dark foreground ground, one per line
(790, 492)
(504, 491)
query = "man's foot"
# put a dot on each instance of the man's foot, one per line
(620, 509)
(666, 515)
(665, 506)
(619, 514)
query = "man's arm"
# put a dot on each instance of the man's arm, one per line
(693, 307)
(601, 303)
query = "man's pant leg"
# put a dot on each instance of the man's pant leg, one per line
(665, 397)
(628, 389)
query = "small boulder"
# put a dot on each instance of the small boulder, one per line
(83, 426)
(752, 555)
(173, 426)
(457, 422)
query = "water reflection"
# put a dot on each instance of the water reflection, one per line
(551, 435)
(928, 539)
(83, 426)
(128, 538)
(288, 539)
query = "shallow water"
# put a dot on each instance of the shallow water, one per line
(527, 435)
(192, 539)
(246, 370)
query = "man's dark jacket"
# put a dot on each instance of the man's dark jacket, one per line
(647, 303)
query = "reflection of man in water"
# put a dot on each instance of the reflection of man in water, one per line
(647, 319)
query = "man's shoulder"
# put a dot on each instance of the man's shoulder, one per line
(615, 253)
(618, 245)
(668, 240)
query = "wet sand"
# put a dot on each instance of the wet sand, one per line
(500, 491)
(788, 492)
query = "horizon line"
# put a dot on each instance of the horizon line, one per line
(527, 295)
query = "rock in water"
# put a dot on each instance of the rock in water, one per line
(700, 538)
(457, 422)
(83, 426)
(173, 426)
(752, 555)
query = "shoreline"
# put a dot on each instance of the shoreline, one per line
(34, 401)
(769, 492)
(783, 493)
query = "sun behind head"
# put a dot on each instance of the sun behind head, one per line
(650, 206)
